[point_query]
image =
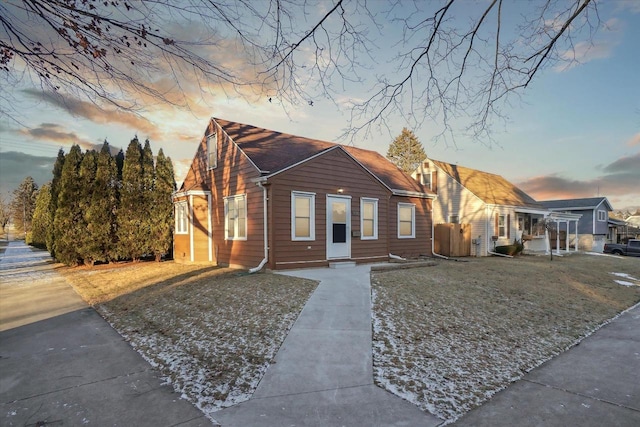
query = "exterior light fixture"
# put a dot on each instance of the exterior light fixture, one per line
(340, 190)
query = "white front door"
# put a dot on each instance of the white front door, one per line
(338, 227)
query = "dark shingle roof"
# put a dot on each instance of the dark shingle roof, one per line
(574, 204)
(273, 151)
(490, 188)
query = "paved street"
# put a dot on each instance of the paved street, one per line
(62, 364)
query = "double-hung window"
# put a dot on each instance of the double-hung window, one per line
(182, 218)
(368, 219)
(212, 151)
(602, 215)
(303, 216)
(406, 221)
(502, 226)
(235, 209)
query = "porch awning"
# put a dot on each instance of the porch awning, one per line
(522, 209)
(563, 216)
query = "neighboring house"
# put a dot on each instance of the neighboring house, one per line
(498, 211)
(620, 231)
(617, 229)
(255, 197)
(593, 226)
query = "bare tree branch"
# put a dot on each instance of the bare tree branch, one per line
(447, 64)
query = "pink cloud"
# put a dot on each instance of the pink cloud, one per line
(634, 140)
(621, 179)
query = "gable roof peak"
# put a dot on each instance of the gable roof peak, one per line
(272, 152)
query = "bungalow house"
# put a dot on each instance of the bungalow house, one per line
(497, 211)
(593, 226)
(255, 197)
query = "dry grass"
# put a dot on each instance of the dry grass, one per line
(211, 332)
(448, 337)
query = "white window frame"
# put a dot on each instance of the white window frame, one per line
(413, 220)
(424, 181)
(502, 229)
(363, 201)
(181, 216)
(312, 215)
(212, 151)
(240, 198)
(602, 215)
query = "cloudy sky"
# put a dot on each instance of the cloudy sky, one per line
(573, 132)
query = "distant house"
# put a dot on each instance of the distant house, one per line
(593, 226)
(257, 198)
(497, 211)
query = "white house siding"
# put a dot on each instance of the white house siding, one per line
(509, 213)
(454, 199)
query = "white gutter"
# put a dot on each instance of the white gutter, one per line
(264, 227)
(392, 256)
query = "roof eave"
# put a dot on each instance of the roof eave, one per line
(406, 193)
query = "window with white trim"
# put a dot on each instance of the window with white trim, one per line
(602, 215)
(181, 218)
(368, 218)
(212, 151)
(235, 217)
(303, 215)
(502, 226)
(426, 180)
(406, 221)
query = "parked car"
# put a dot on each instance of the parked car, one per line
(632, 248)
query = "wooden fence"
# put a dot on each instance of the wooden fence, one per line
(452, 239)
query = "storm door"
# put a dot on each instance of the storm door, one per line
(338, 227)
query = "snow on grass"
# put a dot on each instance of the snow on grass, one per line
(211, 333)
(635, 282)
(449, 337)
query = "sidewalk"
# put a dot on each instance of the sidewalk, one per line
(323, 374)
(62, 364)
(596, 383)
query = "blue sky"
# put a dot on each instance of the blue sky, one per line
(574, 132)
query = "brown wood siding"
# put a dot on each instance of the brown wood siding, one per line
(421, 244)
(181, 242)
(324, 175)
(200, 229)
(233, 177)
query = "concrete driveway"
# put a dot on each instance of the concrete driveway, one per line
(62, 364)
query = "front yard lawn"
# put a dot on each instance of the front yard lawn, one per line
(450, 336)
(211, 332)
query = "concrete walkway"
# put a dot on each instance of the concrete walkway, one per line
(594, 384)
(323, 374)
(62, 364)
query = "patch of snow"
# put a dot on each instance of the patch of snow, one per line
(625, 283)
(635, 282)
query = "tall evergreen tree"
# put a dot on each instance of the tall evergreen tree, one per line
(88, 248)
(162, 207)
(68, 217)
(406, 152)
(100, 215)
(120, 164)
(129, 224)
(53, 205)
(146, 214)
(23, 204)
(42, 221)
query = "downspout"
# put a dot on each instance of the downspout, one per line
(264, 227)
